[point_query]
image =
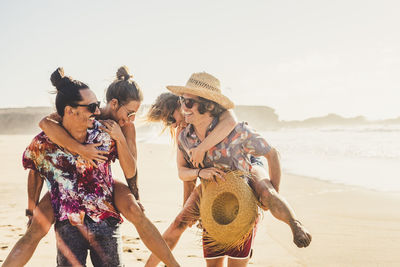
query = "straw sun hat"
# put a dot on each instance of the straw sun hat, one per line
(228, 212)
(204, 85)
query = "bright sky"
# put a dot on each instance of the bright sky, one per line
(303, 58)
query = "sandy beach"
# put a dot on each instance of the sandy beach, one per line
(351, 226)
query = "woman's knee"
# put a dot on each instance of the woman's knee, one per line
(133, 213)
(267, 194)
(37, 230)
(41, 222)
(180, 222)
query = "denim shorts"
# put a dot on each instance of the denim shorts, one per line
(102, 239)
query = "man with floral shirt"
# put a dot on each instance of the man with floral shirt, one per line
(77, 189)
(82, 195)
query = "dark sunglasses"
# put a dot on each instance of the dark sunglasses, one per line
(91, 107)
(170, 120)
(188, 102)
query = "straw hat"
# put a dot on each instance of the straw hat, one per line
(204, 85)
(228, 212)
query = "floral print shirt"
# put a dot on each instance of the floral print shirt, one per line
(76, 188)
(233, 153)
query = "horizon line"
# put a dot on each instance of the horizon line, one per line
(367, 119)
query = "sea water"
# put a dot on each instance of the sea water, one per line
(363, 156)
(367, 156)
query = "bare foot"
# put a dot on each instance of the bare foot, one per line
(301, 236)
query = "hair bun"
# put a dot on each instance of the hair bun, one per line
(123, 73)
(56, 77)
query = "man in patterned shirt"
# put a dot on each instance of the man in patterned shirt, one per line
(82, 195)
(202, 102)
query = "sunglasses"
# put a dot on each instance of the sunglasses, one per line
(170, 120)
(188, 102)
(129, 113)
(91, 107)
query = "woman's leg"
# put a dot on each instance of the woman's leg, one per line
(188, 188)
(280, 209)
(187, 217)
(151, 237)
(218, 262)
(43, 218)
(238, 262)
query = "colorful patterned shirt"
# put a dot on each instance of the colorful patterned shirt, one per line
(76, 188)
(232, 153)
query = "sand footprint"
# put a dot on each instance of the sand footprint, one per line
(130, 240)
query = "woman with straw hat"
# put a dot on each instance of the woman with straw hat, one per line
(202, 102)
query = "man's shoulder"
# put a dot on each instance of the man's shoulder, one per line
(243, 127)
(41, 139)
(242, 131)
(39, 146)
(240, 127)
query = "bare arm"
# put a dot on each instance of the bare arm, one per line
(61, 137)
(188, 188)
(274, 167)
(185, 174)
(129, 132)
(126, 159)
(188, 174)
(254, 144)
(35, 184)
(225, 125)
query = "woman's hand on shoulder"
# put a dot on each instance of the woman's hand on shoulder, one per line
(197, 156)
(91, 154)
(211, 174)
(113, 129)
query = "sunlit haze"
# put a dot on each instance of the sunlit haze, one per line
(302, 58)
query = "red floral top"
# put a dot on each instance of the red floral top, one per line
(76, 188)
